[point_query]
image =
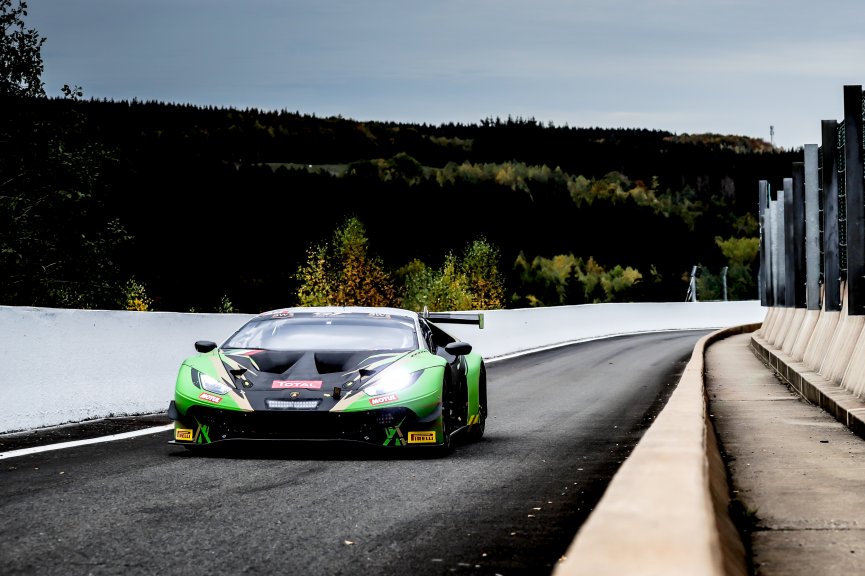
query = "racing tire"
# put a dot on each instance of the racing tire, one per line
(447, 425)
(476, 432)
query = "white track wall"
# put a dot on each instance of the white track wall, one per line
(65, 366)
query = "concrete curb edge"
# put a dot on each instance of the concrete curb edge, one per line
(666, 510)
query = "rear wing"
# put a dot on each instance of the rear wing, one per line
(452, 318)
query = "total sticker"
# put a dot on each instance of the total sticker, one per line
(305, 384)
(422, 437)
(183, 434)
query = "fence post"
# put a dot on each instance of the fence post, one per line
(779, 268)
(789, 244)
(765, 277)
(812, 228)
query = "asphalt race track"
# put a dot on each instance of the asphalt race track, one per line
(561, 423)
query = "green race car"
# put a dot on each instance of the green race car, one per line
(380, 376)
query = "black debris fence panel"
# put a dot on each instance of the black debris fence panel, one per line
(829, 195)
(797, 199)
(854, 210)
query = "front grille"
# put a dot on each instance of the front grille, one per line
(298, 424)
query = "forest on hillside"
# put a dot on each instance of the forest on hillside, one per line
(165, 206)
(199, 206)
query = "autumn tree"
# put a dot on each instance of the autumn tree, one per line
(472, 281)
(344, 273)
(480, 265)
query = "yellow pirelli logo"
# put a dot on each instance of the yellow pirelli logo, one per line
(422, 437)
(183, 434)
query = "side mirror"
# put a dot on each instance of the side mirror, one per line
(458, 348)
(205, 346)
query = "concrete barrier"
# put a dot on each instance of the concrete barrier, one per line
(826, 365)
(665, 511)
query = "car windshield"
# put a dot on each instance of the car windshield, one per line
(326, 332)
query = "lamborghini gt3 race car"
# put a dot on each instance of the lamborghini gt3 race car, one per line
(380, 376)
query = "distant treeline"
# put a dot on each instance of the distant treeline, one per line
(203, 206)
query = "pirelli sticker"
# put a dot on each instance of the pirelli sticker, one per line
(184, 434)
(422, 437)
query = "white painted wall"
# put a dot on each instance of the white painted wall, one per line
(64, 365)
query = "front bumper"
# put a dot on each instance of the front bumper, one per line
(393, 426)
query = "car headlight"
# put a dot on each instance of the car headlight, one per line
(211, 384)
(390, 381)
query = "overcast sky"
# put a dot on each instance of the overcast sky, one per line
(686, 66)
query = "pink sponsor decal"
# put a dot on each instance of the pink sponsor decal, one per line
(210, 397)
(383, 399)
(288, 384)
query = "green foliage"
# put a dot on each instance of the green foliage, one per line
(58, 240)
(613, 188)
(742, 258)
(20, 53)
(616, 188)
(618, 282)
(739, 250)
(734, 143)
(315, 278)
(343, 273)
(470, 282)
(546, 280)
(565, 279)
(225, 306)
(437, 290)
(483, 278)
(746, 225)
(135, 297)
(589, 274)
(449, 289)
(417, 280)
(401, 167)
(361, 279)
(628, 197)
(743, 261)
